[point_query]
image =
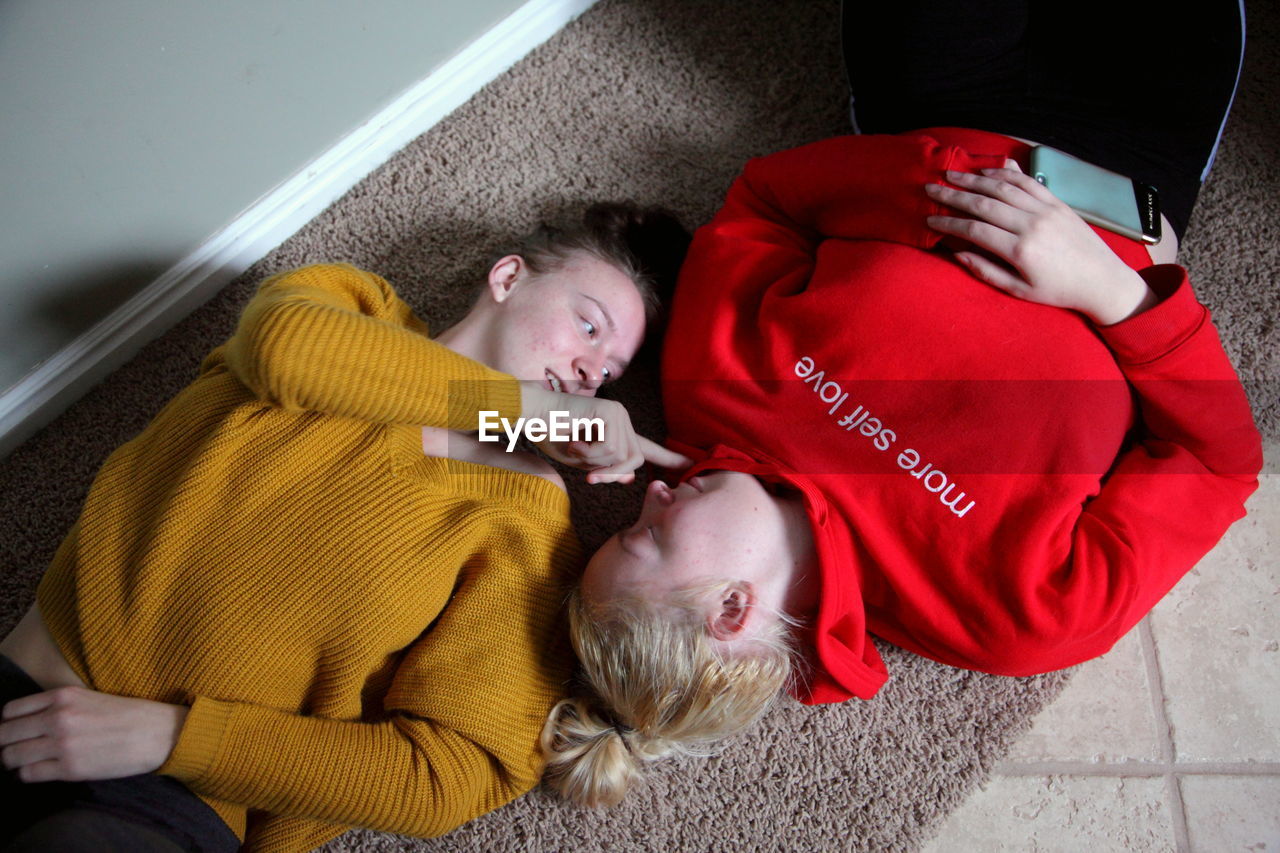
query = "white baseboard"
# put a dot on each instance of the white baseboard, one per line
(58, 382)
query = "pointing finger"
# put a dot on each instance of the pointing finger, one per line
(662, 456)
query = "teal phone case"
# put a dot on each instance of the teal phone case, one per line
(1101, 197)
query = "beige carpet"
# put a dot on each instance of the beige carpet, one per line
(662, 101)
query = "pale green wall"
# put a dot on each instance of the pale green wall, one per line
(132, 130)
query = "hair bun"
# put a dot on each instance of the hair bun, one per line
(588, 759)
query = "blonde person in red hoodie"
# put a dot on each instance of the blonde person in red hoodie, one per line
(926, 401)
(307, 596)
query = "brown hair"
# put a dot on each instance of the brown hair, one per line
(654, 684)
(648, 244)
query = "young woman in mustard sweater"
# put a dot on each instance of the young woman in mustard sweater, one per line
(303, 592)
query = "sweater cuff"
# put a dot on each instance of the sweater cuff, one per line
(468, 397)
(504, 396)
(957, 160)
(198, 742)
(1162, 328)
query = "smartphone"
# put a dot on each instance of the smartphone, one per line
(1104, 198)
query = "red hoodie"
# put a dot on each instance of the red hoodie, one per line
(993, 484)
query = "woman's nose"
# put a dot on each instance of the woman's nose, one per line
(657, 497)
(588, 369)
(659, 493)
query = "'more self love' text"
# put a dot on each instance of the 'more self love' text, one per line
(858, 419)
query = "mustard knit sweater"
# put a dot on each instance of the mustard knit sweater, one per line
(364, 635)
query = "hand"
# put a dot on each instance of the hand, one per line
(74, 734)
(616, 457)
(1057, 258)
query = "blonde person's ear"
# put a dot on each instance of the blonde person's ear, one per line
(734, 609)
(505, 276)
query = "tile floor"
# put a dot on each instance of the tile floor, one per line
(1171, 742)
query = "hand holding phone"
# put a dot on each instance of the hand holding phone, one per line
(1053, 257)
(1104, 198)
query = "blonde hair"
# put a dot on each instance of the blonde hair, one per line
(657, 685)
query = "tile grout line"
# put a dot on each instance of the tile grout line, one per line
(1164, 734)
(1146, 769)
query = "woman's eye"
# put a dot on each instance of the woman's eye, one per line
(605, 374)
(589, 327)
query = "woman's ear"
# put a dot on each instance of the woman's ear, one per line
(735, 609)
(505, 276)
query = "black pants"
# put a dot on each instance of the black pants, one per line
(138, 813)
(1141, 89)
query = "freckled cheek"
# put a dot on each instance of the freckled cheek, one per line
(691, 558)
(539, 349)
(535, 343)
(560, 343)
(698, 551)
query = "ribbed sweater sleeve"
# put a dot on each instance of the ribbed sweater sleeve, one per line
(401, 775)
(335, 339)
(1168, 499)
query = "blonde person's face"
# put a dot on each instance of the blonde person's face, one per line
(703, 531)
(573, 328)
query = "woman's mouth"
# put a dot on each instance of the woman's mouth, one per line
(553, 383)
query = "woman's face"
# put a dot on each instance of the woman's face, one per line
(715, 526)
(572, 328)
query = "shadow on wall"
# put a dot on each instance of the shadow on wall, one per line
(82, 298)
(72, 303)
